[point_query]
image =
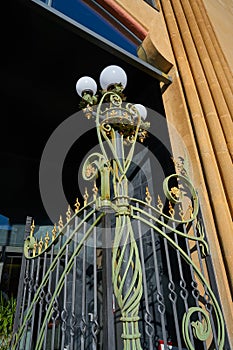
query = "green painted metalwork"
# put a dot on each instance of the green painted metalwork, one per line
(30, 240)
(198, 327)
(60, 284)
(116, 127)
(201, 239)
(61, 281)
(201, 331)
(128, 302)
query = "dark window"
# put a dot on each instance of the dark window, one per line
(10, 275)
(153, 3)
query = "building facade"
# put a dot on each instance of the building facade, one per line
(187, 45)
(194, 37)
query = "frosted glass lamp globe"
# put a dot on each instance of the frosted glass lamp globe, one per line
(86, 84)
(112, 75)
(141, 110)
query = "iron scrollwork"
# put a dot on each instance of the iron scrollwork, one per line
(119, 127)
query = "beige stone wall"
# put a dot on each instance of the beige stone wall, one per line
(221, 15)
(153, 22)
(199, 105)
(139, 10)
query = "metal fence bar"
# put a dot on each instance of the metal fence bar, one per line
(95, 325)
(172, 293)
(56, 313)
(83, 323)
(42, 295)
(48, 297)
(194, 284)
(149, 327)
(183, 285)
(24, 304)
(108, 315)
(64, 313)
(36, 284)
(73, 318)
(159, 295)
(206, 296)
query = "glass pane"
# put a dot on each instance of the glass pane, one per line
(86, 16)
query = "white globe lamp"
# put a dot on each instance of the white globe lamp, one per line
(86, 84)
(112, 75)
(141, 110)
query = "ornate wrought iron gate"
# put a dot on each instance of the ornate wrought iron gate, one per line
(121, 272)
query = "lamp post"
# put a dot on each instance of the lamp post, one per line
(118, 128)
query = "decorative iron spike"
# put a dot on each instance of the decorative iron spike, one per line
(181, 213)
(171, 210)
(95, 191)
(32, 228)
(60, 223)
(35, 248)
(68, 214)
(40, 245)
(160, 204)
(190, 209)
(47, 239)
(77, 205)
(54, 232)
(148, 196)
(85, 196)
